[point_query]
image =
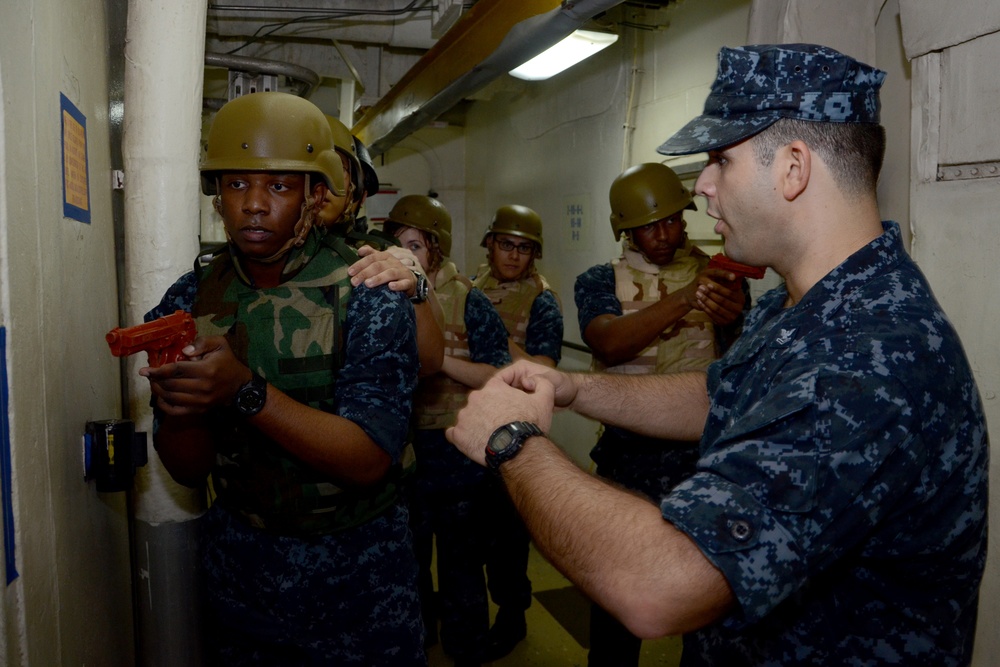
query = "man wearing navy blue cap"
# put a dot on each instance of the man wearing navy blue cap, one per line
(838, 511)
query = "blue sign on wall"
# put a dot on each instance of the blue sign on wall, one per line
(75, 168)
(6, 497)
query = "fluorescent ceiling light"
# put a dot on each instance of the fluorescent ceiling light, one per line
(577, 46)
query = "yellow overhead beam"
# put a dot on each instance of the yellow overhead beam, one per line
(487, 41)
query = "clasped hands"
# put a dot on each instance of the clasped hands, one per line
(523, 391)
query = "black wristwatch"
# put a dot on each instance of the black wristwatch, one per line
(251, 396)
(507, 441)
(420, 292)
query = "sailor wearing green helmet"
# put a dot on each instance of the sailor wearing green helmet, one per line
(533, 315)
(639, 314)
(449, 492)
(295, 398)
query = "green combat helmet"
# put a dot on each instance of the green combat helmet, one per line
(271, 132)
(426, 214)
(518, 221)
(646, 193)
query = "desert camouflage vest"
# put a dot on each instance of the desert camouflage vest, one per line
(292, 335)
(690, 343)
(512, 299)
(439, 398)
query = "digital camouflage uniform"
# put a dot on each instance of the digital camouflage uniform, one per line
(297, 567)
(533, 317)
(450, 490)
(842, 485)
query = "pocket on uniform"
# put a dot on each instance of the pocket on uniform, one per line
(776, 463)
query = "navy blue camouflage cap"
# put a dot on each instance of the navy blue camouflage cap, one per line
(757, 85)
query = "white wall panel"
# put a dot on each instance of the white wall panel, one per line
(956, 244)
(932, 26)
(970, 98)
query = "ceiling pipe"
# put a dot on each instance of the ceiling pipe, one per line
(305, 81)
(492, 38)
(403, 24)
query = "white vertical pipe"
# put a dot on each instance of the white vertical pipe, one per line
(347, 102)
(164, 71)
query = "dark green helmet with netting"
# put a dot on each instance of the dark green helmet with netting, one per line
(367, 167)
(516, 220)
(646, 193)
(271, 131)
(426, 214)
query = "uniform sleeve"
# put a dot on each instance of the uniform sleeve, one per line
(791, 486)
(179, 296)
(487, 333)
(545, 327)
(375, 385)
(594, 292)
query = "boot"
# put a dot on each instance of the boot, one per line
(507, 632)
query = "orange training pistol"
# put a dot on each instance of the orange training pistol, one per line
(720, 261)
(162, 339)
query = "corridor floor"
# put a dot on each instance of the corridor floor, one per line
(555, 626)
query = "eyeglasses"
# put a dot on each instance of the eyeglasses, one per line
(522, 248)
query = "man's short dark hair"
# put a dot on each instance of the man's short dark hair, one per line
(853, 151)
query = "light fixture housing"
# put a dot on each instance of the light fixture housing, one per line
(578, 45)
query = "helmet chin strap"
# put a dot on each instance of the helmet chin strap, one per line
(630, 244)
(350, 207)
(307, 216)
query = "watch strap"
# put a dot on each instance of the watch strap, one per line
(420, 291)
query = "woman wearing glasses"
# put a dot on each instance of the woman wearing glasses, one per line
(533, 316)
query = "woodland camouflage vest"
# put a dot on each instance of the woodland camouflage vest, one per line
(292, 335)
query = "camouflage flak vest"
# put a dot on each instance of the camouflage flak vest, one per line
(439, 398)
(292, 335)
(512, 299)
(687, 345)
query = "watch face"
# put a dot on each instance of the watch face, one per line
(506, 442)
(501, 440)
(251, 396)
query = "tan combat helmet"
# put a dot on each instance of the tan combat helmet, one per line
(343, 143)
(518, 221)
(271, 132)
(426, 214)
(646, 193)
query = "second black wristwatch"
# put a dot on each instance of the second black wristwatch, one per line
(251, 396)
(507, 441)
(420, 291)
